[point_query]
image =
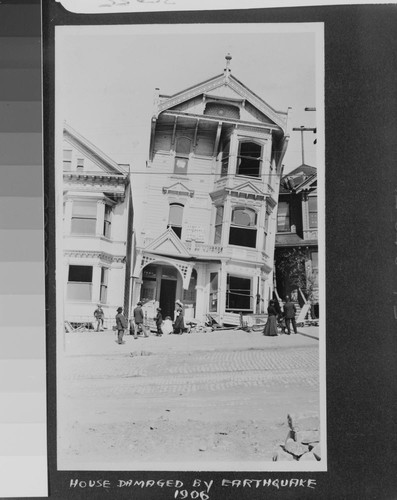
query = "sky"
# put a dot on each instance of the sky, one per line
(106, 77)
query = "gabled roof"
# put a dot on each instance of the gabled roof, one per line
(168, 243)
(302, 177)
(228, 80)
(87, 148)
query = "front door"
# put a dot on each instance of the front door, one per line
(167, 297)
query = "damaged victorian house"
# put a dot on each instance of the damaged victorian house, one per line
(210, 209)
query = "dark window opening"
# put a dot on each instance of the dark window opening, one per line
(249, 159)
(243, 228)
(80, 274)
(238, 294)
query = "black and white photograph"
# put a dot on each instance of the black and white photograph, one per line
(190, 247)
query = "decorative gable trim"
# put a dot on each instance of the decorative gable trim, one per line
(279, 118)
(168, 243)
(91, 151)
(246, 190)
(178, 189)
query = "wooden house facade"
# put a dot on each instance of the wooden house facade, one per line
(212, 182)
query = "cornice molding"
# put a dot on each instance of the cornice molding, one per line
(87, 254)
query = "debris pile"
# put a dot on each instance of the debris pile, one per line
(302, 442)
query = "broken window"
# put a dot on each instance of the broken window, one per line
(243, 228)
(218, 225)
(175, 218)
(182, 152)
(238, 294)
(249, 159)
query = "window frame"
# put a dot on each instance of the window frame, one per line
(80, 216)
(288, 217)
(182, 156)
(236, 229)
(311, 212)
(241, 157)
(177, 228)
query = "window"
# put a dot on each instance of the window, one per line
(175, 218)
(238, 294)
(266, 230)
(315, 262)
(182, 152)
(218, 225)
(249, 159)
(225, 159)
(67, 159)
(213, 305)
(84, 217)
(79, 283)
(312, 203)
(243, 228)
(189, 295)
(80, 164)
(107, 221)
(283, 217)
(104, 284)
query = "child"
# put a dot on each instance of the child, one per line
(166, 327)
(159, 320)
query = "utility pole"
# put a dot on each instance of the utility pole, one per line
(302, 129)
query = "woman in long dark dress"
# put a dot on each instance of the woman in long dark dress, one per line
(270, 329)
(179, 323)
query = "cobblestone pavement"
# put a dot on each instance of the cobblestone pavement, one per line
(183, 386)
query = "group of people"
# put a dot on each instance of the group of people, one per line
(136, 326)
(284, 318)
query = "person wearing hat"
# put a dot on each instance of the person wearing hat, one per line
(121, 324)
(179, 323)
(138, 320)
(159, 320)
(99, 315)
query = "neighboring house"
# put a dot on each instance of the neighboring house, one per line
(97, 242)
(209, 213)
(296, 256)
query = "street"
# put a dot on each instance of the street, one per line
(182, 402)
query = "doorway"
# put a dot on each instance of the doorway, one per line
(167, 297)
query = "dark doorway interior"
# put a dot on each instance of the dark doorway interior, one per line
(167, 297)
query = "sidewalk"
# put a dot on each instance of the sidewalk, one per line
(105, 343)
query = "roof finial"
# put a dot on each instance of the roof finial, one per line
(228, 59)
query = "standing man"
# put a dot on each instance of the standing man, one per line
(121, 324)
(138, 320)
(289, 314)
(99, 315)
